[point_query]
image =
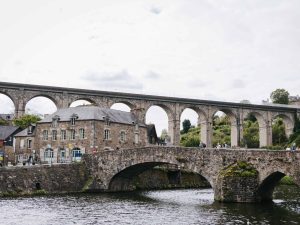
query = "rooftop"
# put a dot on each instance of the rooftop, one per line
(91, 113)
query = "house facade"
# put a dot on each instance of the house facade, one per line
(24, 145)
(68, 133)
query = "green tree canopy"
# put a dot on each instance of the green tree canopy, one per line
(280, 96)
(3, 122)
(186, 125)
(26, 120)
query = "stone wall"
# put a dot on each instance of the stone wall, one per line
(60, 178)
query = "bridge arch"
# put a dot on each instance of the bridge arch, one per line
(5, 97)
(201, 121)
(82, 101)
(123, 180)
(264, 127)
(128, 103)
(288, 121)
(234, 127)
(122, 106)
(37, 102)
(156, 111)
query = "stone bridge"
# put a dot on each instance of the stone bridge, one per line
(114, 170)
(62, 97)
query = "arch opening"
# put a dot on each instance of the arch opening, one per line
(224, 127)
(82, 102)
(251, 131)
(266, 188)
(121, 106)
(155, 175)
(189, 128)
(7, 110)
(281, 126)
(158, 116)
(40, 106)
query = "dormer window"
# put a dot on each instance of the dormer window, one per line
(73, 119)
(55, 120)
(29, 129)
(106, 120)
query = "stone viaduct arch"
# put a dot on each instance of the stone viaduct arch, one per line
(20, 94)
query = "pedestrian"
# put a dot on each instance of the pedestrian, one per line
(293, 148)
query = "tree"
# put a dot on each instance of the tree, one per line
(186, 125)
(280, 96)
(3, 122)
(26, 120)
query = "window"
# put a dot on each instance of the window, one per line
(81, 133)
(136, 138)
(48, 153)
(73, 119)
(45, 135)
(136, 127)
(54, 135)
(106, 121)
(106, 134)
(29, 143)
(63, 135)
(30, 129)
(76, 154)
(122, 136)
(72, 134)
(55, 120)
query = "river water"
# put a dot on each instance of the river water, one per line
(193, 206)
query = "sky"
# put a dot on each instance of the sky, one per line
(227, 50)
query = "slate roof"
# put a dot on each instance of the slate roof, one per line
(6, 131)
(92, 113)
(24, 133)
(6, 116)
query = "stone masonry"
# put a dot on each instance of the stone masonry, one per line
(112, 168)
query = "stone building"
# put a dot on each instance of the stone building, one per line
(7, 134)
(24, 145)
(70, 132)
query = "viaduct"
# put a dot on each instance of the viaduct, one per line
(62, 97)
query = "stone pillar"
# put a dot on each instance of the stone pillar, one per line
(265, 134)
(206, 133)
(234, 134)
(139, 113)
(20, 104)
(174, 131)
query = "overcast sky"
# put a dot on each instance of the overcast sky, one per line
(226, 50)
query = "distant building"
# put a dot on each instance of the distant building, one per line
(68, 133)
(7, 118)
(294, 100)
(7, 134)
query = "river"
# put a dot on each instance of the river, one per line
(189, 206)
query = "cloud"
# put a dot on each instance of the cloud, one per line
(152, 75)
(238, 83)
(121, 79)
(155, 10)
(197, 83)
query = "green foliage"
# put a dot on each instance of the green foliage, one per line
(278, 130)
(221, 130)
(3, 122)
(280, 96)
(239, 169)
(191, 139)
(26, 120)
(287, 180)
(251, 134)
(186, 125)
